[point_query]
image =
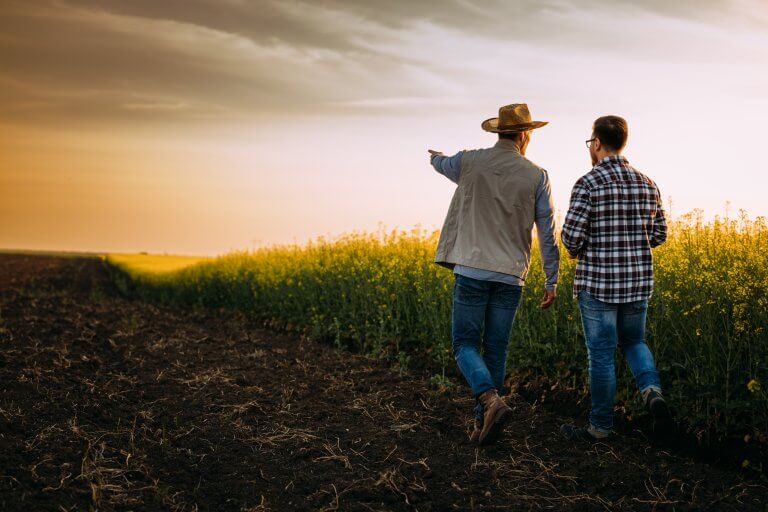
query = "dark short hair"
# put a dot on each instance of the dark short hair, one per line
(612, 131)
(509, 136)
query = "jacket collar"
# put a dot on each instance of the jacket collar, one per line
(507, 144)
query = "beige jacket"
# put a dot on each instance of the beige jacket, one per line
(490, 220)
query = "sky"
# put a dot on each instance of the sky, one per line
(204, 126)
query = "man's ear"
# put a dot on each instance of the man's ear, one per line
(597, 144)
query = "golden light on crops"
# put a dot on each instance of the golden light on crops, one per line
(381, 293)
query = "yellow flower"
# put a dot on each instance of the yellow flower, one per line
(753, 386)
(745, 464)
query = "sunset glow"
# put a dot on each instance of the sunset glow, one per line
(197, 127)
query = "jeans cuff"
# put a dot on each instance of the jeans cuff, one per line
(484, 389)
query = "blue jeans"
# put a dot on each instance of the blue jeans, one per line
(605, 326)
(478, 304)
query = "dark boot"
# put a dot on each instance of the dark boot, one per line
(495, 414)
(663, 426)
(656, 405)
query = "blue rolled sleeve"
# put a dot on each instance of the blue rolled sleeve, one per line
(545, 230)
(448, 166)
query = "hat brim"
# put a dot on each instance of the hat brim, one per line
(492, 125)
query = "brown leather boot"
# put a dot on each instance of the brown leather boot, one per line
(474, 437)
(495, 414)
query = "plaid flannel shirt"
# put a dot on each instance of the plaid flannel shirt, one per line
(614, 219)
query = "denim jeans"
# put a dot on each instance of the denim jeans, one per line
(605, 326)
(486, 307)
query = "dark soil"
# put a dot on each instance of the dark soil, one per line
(112, 404)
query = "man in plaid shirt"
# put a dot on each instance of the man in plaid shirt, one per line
(614, 219)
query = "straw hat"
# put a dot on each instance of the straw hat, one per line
(512, 118)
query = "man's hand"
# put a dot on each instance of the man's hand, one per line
(432, 153)
(549, 298)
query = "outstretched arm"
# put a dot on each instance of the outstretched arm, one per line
(448, 166)
(576, 225)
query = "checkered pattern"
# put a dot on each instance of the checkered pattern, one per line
(614, 219)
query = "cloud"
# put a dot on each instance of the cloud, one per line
(188, 60)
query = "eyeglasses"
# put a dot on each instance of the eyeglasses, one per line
(590, 141)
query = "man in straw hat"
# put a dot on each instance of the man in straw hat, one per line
(486, 241)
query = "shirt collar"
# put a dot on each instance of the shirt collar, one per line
(507, 144)
(621, 159)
